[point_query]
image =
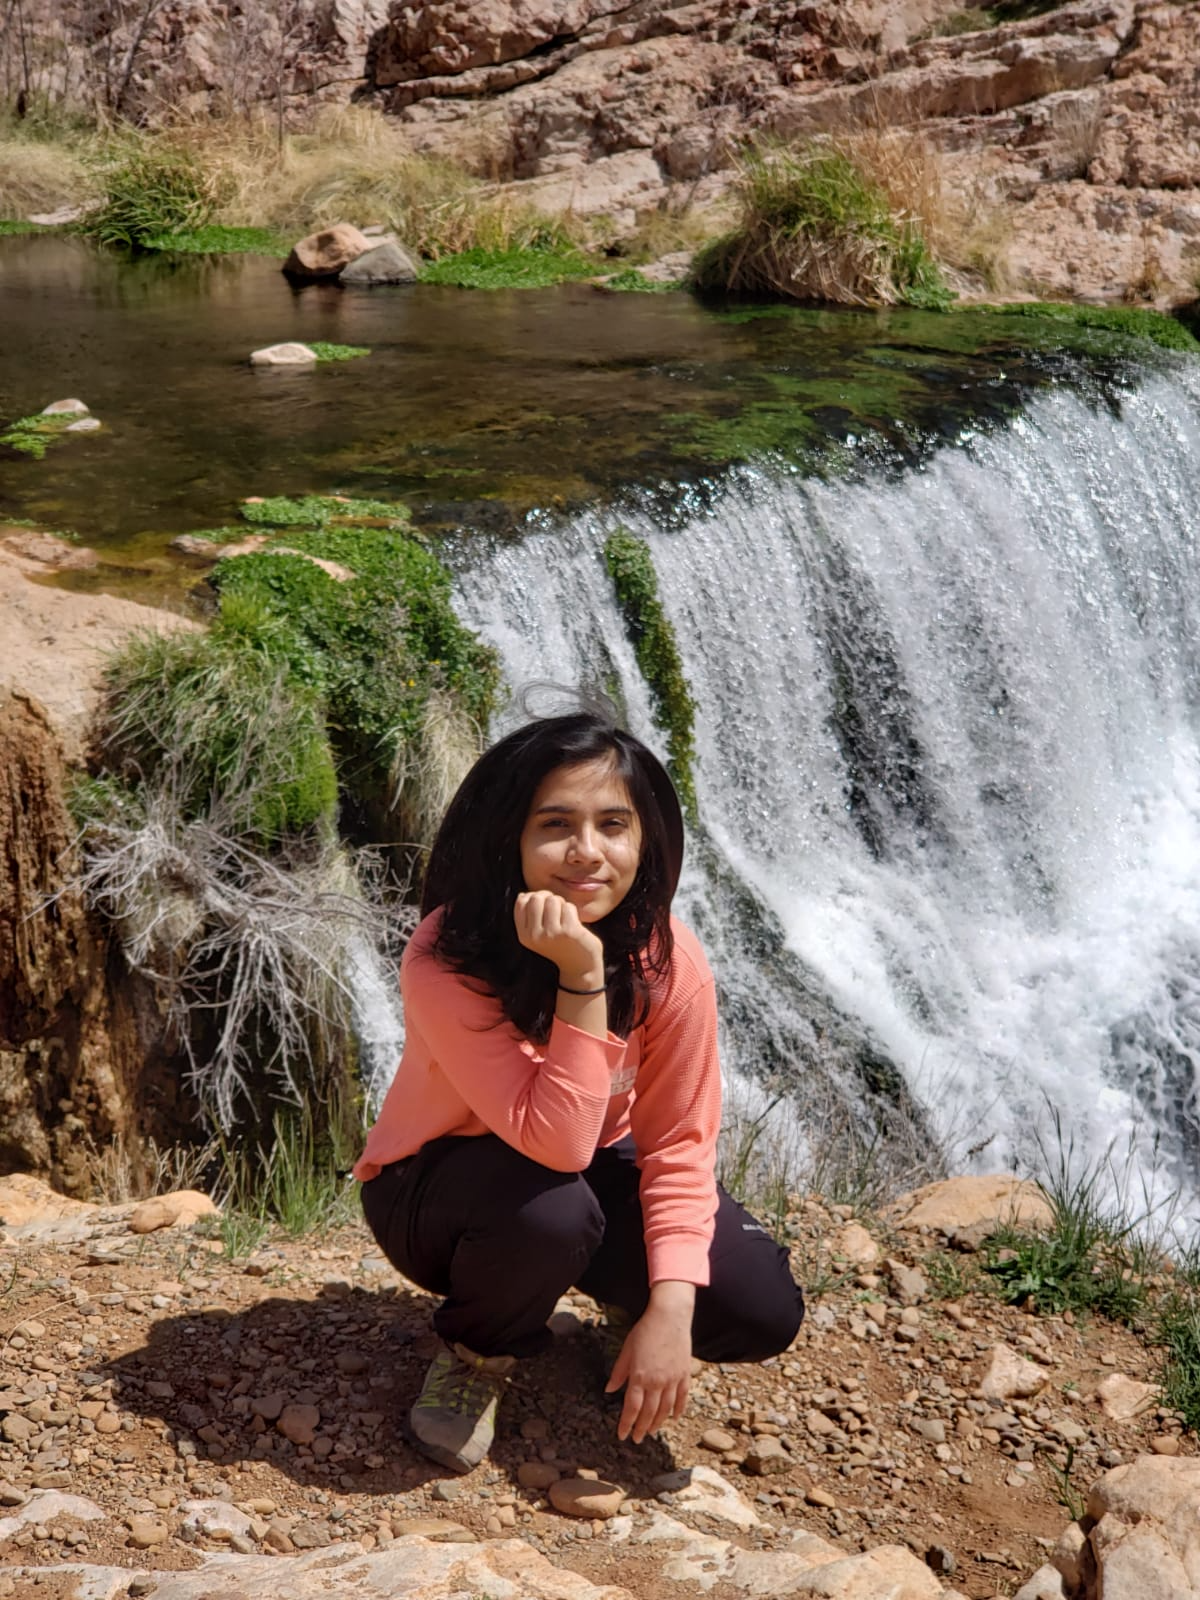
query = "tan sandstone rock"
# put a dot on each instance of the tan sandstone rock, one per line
(1124, 1398)
(179, 1209)
(853, 1243)
(1010, 1376)
(959, 1203)
(586, 1497)
(323, 254)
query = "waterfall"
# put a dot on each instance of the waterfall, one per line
(949, 746)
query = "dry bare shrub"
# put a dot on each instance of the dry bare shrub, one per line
(128, 1168)
(428, 770)
(37, 176)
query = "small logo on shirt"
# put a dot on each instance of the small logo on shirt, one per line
(623, 1081)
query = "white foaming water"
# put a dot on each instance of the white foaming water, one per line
(948, 733)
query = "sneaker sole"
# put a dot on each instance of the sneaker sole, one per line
(438, 1453)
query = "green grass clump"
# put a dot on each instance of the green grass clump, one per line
(318, 510)
(517, 268)
(1137, 322)
(815, 226)
(32, 436)
(217, 239)
(653, 637)
(1090, 1258)
(159, 193)
(324, 351)
(13, 228)
(631, 281)
(1178, 1330)
(374, 647)
(296, 1182)
(224, 725)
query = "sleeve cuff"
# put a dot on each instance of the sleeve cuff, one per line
(681, 1258)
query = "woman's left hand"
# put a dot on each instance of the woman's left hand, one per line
(655, 1363)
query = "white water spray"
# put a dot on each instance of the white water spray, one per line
(949, 733)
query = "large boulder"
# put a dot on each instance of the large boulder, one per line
(386, 262)
(1140, 1538)
(326, 253)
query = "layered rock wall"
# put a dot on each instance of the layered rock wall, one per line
(82, 1060)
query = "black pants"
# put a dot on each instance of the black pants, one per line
(502, 1238)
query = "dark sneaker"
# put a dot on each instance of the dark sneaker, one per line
(453, 1419)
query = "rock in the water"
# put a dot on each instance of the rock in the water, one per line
(1011, 1377)
(586, 1497)
(65, 408)
(177, 1210)
(283, 355)
(84, 425)
(326, 253)
(387, 262)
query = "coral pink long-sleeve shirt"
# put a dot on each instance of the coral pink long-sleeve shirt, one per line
(465, 1069)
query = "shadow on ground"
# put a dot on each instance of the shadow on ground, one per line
(220, 1381)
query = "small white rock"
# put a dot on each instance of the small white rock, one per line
(283, 355)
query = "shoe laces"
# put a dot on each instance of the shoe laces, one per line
(463, 1383)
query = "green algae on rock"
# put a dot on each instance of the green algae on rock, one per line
(518, 268)
(1134, 322)
(631, 568)
(324, 351)
(32, 436)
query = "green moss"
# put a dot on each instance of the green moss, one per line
(320, 510)
(1136, 322)
(374, 646)
(218, 240)
(631, 281)
(508, 269)
(14, 227)
(32, 436)
(636, 583)
(336, 352)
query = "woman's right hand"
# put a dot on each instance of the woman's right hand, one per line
(550, 926)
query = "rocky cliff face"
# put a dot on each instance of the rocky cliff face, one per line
(1075, 133)
(81, 1059)
(1079, 127)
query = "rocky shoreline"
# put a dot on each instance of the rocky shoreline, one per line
(1060, 148)
(177, 1422)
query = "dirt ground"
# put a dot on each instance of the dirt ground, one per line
(143, 1372)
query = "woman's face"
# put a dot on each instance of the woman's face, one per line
(582, 838)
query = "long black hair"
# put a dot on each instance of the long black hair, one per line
(474, 871)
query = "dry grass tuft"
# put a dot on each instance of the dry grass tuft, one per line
(817, 222)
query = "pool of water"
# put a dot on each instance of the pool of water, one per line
(475, 408)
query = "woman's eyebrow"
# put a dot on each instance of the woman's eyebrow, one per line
(612, 811)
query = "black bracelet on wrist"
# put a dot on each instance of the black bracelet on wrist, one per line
(565, 989)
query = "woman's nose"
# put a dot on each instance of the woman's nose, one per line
(584, 844)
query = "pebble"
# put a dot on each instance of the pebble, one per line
(1165, 1444)
(766, 1456)
(299, 1423)
(586, 1497)
(537, 1474)
(820, 1498)
(717, 1439)
(145, 1532)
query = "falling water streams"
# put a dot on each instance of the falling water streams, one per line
(949, 739)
